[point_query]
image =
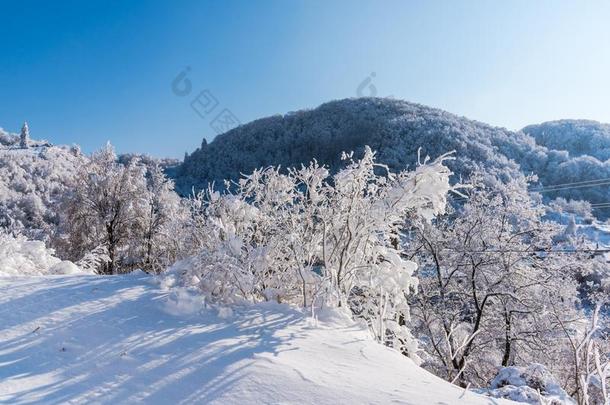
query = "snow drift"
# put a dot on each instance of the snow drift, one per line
(140, 353)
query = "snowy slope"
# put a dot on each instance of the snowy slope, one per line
(121, 339)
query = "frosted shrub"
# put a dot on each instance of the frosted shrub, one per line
(533, 384)
(309, 238)
(22, 257)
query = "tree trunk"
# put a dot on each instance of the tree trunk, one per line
(507, 341)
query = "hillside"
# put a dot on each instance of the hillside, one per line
(396, 130)
(31, 182)
(577, 137)
(155, 347)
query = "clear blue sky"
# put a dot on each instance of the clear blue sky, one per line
(90, 71)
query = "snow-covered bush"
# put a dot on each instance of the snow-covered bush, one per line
(309, 238)
(532, 384)
(22, 257)
(575, 207)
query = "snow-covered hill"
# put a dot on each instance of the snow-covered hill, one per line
(577, 137)
(558, 153)
(31, 184)
(124, 340)
(396, 129)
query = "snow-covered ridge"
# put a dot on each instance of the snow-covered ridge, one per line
(144, 351)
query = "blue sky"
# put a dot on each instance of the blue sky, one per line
(90, 71)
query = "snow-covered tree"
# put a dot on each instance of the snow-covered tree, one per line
(24, 137)
(488, 275)
(532, 384)
(104, 208)
(162, 222)
(121, 216)
(589, 355)
(31, 185)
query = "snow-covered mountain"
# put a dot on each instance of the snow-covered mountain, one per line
(396, 130)
(152, 347)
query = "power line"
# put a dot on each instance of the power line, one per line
(563, 187)
(560, 251)
(547, 190)
(575, 182)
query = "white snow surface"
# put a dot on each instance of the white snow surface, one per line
(123, 339)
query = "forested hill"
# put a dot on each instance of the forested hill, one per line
(396, 130)
(578, 137)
